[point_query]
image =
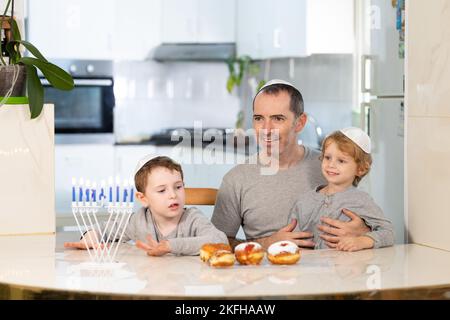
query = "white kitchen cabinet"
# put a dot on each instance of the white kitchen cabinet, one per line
(137, 28)
(90, 161)
(80, 29)
(294, 28)
(100, 29)
(198, 21)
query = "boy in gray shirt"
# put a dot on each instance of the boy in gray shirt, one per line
(163, 225)
(345, 161)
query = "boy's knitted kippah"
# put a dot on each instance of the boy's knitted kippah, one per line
(144, 160)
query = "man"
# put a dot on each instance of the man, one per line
(261, 202)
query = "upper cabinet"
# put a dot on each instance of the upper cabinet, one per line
(80, 29)
(198, 21)
(100, 29)
(294, 28)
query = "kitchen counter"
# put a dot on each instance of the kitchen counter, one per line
(39, 267)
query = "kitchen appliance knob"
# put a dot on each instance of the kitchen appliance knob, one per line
(90, 68)
(73, 68)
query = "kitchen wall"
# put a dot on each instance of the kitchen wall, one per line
(428, 122)
(325, 81)
(151, 96)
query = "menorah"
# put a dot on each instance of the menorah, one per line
(103, 243)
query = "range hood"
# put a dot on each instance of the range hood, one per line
(194, 51)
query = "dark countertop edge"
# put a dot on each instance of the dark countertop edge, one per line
(17, 292)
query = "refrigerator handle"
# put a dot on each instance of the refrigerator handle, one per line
(365, 117)
(364, 59)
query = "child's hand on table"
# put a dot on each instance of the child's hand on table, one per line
(87, 241)
(354, 243)
(154, 248)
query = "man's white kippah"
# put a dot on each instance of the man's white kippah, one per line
(276, 81)
(359, 137)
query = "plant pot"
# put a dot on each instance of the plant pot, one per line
(27, 177)
(6, 80)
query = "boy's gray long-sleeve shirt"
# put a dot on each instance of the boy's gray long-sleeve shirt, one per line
(194, 230)
(313, 205)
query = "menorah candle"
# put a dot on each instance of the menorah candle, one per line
(125, 190)
(110, 182)
(94, 191)
(102, 196)
(117, 189)
(80, 189)
(74, 196)
(88, 190)
(131, 191)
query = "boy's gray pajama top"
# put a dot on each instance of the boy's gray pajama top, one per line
(313, 205)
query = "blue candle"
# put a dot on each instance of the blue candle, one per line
(125, 194)
(80, 190)
(101, 195)
(73, 190)
(110, 193)
(131, 194)
(87, 194)
(117, 194)
(94, 195)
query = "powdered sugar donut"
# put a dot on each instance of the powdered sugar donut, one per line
(283, 252)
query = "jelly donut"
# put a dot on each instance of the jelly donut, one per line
(283, 252)
(249, 253)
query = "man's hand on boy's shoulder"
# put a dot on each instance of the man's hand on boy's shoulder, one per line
(154, 248)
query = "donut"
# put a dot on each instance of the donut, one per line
(283, 252)
(207, 250)
(222, 258)
(249, 253)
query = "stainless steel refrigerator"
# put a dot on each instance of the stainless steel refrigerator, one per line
(383, 111)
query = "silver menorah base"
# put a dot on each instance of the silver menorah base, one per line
(104, 243)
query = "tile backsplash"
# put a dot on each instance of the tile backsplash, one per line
(152, 96)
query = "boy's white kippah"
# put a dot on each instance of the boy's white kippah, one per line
(144, 160)
(359, 137)
(276, 81)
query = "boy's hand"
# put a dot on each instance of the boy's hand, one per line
(354, 243)
(154, 248)
(88, 241)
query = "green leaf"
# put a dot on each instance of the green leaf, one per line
(34, 51)
(230, 84)
(56, 76)
(12, 48)
(15, 30)
(261, 84)
(35, 92)
(253, 69)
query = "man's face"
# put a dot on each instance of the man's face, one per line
(275, 124)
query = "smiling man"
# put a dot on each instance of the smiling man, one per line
(260, 201)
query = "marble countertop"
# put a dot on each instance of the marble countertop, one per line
(39, 267)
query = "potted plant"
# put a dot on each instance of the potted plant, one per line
(18, 73)
(238, 68)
